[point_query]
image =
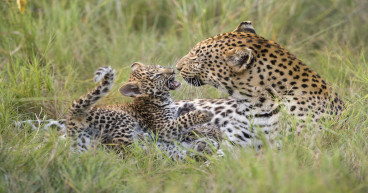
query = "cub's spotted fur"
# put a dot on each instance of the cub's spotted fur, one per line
(121, 124)
(261, 77)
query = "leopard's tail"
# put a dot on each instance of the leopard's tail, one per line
(104, 75)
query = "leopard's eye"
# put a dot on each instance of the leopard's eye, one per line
(192, 56)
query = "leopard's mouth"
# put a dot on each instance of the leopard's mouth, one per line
(195, 81)
(173, 84)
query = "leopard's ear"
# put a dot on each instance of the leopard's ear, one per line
(245, 26)
(240, 59)
(136, 65)
(130, 89)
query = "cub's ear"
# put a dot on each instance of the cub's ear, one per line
(136, 65)
(240, 59)
(245, 26)
(130, 89)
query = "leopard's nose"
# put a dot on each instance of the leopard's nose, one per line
(181, 62)
(179, 67)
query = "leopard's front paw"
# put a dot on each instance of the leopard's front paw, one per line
(204, 116)
(206, 146)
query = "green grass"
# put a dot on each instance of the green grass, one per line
(49, 53)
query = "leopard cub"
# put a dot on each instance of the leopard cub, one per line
(152, 109)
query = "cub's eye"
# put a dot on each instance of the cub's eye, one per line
(157, 76)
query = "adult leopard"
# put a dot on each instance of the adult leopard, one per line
(260, 77)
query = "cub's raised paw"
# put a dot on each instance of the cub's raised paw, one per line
(209, 131)
(204, 116)
(102, 72)
(186, 108)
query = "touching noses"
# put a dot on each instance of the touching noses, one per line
(179, 64)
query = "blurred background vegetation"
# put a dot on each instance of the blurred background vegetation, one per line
(48, 55)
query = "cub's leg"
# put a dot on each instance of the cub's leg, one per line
(182, 124)
(85, 140)
(121, 137)
(80, 108)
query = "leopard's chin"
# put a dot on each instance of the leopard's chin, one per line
(195, 81)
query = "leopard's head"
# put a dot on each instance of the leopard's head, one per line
(215, 60)
(246, 65)
(149, 80)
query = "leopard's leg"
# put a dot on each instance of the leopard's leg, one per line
(172, 150)
(204, 139)
(178, 151)
(122, 136)
(84, 141)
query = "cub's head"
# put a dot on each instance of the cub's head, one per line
(215, 60)
(149, 80)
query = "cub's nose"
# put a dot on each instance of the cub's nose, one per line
(169, 71)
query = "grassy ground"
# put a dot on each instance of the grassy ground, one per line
(49, 53)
